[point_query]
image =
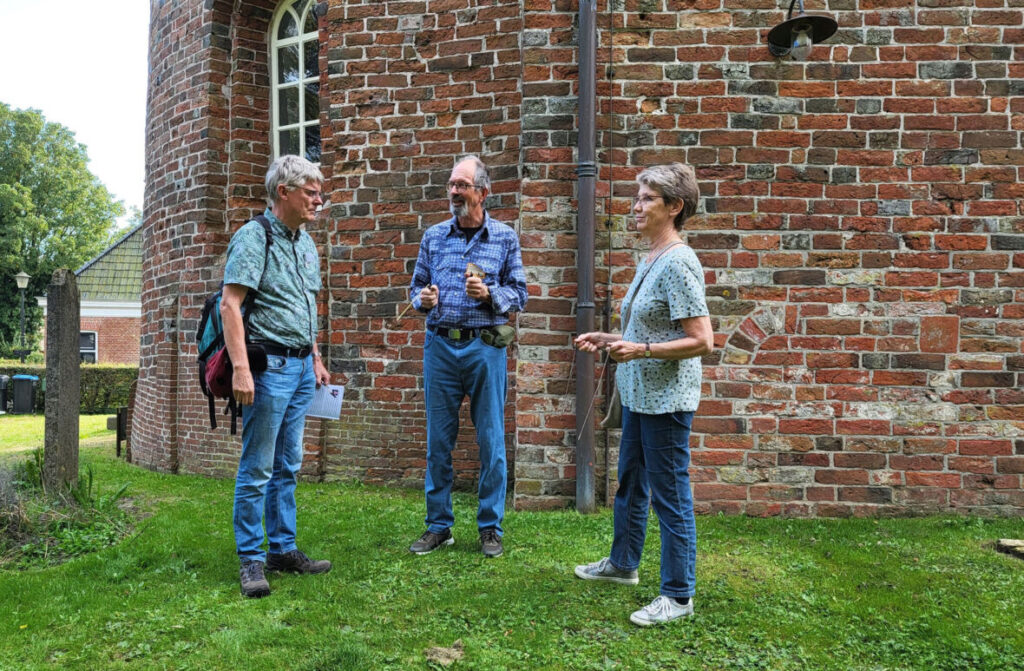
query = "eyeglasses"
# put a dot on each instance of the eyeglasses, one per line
(461, 187)
(644, 201)
(312, 193)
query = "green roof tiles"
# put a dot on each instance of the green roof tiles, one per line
(116, 274)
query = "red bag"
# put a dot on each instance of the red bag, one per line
(219, 374)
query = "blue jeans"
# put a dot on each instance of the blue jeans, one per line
(272, 429)
(451, 371)
(654, 461)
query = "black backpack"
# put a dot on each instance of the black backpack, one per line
(210, 334)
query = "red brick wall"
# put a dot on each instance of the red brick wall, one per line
(117, 338)
(861, 231)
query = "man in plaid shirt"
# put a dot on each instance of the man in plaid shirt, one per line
(468, 278)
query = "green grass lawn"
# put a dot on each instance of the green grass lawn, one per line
(20, 433)
(926, 593)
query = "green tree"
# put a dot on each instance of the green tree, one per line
(54, 213)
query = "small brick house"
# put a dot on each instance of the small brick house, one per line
(862, 229)
(110, 287)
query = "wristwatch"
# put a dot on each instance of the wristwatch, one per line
(647, 350)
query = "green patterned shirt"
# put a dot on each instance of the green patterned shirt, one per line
(285, 309)
(672, 290)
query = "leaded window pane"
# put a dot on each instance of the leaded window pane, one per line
(311, 58)
(312, 102)
(288, 106)
(287, 27)
(313, 143)
(289, 141)
(287, 64)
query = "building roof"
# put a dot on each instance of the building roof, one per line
(116, 274)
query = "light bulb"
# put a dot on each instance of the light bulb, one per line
(802, 43)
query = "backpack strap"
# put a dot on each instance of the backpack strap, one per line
(250, 297)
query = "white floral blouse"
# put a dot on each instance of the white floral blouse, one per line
(672, 290)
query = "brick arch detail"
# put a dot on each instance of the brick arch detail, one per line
(766, 328)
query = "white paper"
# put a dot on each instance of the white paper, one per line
(327, 401)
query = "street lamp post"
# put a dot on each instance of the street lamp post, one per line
(22, 279)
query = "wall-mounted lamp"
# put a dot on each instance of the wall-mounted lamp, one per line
(796, 36)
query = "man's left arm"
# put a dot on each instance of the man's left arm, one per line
(509, 294)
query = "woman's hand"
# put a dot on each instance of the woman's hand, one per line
(623, 350)
(595, 340)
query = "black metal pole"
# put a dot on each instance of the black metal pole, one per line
(22, 292)
(587, 173)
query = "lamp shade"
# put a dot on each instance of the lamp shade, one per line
(22, 279)
(819, 27)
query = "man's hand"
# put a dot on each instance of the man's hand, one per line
(320, 372)
(429, 296)
(475, 288)
(242, 385)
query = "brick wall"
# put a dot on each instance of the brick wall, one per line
(862, 232)
(117, 338)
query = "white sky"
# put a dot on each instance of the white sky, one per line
(83, 65)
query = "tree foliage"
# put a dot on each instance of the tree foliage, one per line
(54, 213)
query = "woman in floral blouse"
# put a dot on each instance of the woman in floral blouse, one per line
(667, 330)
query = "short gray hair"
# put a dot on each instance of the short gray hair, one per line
(290, 170)
(480, 177)
(676, 183)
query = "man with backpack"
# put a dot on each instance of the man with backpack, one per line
(280, 325)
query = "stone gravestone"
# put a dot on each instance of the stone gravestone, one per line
(63, 382)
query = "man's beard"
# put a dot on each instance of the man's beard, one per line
(459, 211)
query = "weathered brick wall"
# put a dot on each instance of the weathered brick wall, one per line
(862, 231)
(411, 85)
(117, 338)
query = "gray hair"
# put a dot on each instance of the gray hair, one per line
(290, 170)
(481, 177)
(676, 183)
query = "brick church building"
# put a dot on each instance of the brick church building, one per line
(861, 228)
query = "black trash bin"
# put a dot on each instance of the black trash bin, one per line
(24, 394)
(4, 382)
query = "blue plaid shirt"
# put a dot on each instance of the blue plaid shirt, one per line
(444, 253)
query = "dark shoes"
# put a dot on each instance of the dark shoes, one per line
(490, 543)
(430, 541)
(254, 583)
(296, 561)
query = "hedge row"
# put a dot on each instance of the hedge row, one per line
(104, 386)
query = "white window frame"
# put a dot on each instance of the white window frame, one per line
(96, 344)
(287, 8)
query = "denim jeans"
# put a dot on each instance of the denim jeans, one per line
(654, 460)
(452, 370)
(272, 429)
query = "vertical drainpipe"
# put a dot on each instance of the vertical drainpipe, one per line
(587, 177)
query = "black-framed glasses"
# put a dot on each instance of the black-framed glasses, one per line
(461, 187)
(312, 193)
(644, 201)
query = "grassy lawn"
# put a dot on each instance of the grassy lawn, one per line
(925, 593)
(20, 433)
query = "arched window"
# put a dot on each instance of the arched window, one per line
(295, 80)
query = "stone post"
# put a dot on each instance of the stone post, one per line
(63, 382)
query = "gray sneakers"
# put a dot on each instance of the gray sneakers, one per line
(254, 583)
(430, 541)
(605, 570)
(296, 561)
(660, 611)
(490, 543)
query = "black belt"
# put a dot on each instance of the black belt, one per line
(456, 334)
(278, 350)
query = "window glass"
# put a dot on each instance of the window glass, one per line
(295, 77)
(287, 27)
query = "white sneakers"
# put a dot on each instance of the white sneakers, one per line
(661, 610)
